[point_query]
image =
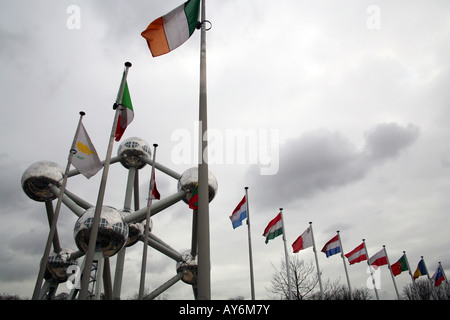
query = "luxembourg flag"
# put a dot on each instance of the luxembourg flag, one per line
(239, 214)
(332, 246)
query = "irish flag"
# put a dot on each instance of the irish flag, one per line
(126, 113)
(274, 228)
(173, 29)
(304, 241)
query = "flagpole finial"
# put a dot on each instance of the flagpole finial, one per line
(155, 145)
(384, 245)
(128, 64)
(82, 113)
(246, 188)
(281, 209)
(337, 231)
(363, 240)
(310, 222)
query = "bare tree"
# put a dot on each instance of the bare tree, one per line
(423, 290)
(303, 279)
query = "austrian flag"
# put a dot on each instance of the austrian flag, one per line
(357, 255)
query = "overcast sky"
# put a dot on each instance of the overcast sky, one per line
(349, 102)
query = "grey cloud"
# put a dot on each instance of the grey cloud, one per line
(319, 160)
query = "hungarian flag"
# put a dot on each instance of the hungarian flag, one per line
(85, 159)
(173, 29)
(357, 255)
(378, 259)
(193, 200)
(399, 266)
(126, 113)
(274, 228)
(304, 241)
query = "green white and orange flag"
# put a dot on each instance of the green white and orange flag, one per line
(173, 29)
(85, 159)
(126, 114)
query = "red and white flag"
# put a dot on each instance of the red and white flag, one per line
(304, 241)
(378, 259)
(357, 255)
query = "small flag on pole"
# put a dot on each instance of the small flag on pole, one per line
(357, 255)
(193, 200)
(173, 29)
(239, 214)
(399, 266)
(438, 277)
(126, 114)
(155, 192)
(332, 247)
(304, 241)
(421, 270)
(378, 259)
(274, 228)
(86, 159)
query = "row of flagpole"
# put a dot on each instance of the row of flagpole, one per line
(276, 227)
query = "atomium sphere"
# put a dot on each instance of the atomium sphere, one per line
(37, 178)
(188, 267)
(57, 265)
(112, 231)
(135, 229)
(189, 180)
(131, 152)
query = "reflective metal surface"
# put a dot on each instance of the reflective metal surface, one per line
(189, 179)
(37, 178)
(112, 231)
(132, 150)
(188, 267)
(135, 229)
(57, 265)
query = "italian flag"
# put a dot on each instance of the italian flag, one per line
(126, 113)
(274, 228)
(173, 29)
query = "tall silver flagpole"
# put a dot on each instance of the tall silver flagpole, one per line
(345, 266)
(370, 269)
(286, 256)
(317, 261)
(89, 259)
(51, 234)
(204, 259)
(392, 275)
(250, 255)
(147, 226)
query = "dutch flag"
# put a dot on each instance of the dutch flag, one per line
(332, 246)
(239, 214)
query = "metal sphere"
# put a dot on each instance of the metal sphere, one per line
(189, 179)
(135, 229)
(188, 267)
(112, 231)
(57, 265)
(37, 178)
(131, 152)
